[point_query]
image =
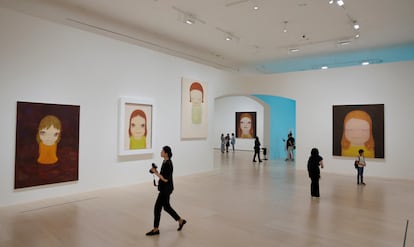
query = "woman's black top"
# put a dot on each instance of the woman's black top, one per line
(313, 166)
(167, 173)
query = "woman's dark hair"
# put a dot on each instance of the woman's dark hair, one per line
(167, 150)
(314, 152)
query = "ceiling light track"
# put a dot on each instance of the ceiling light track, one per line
(228, 36)
(187, 17)
(150, 45)
(255, 3)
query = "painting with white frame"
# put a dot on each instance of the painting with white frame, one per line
(194, 109)
(136, 130)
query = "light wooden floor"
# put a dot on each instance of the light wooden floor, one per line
(238, 204)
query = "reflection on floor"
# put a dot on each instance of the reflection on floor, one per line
(240, 203)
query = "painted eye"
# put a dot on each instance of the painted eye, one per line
(142, 125)
(56, 134)
(42, 132)
(133, 125)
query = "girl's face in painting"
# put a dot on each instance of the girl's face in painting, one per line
(357, 131)
(138, 127)
(196, 96)
(245, 125)
(49, 135)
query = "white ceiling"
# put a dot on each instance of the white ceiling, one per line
(314, 26)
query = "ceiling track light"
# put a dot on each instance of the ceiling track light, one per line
(356, 25)
(228, 36)
(293, 50)
(285, 29)
(187, 18)
(340, 3)
(343, 42)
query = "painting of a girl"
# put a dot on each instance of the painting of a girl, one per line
(245, 124)
(194, 109)
(358, 127)
(196, 99)
(357, 134)
(47, 144)
(137, 130)
(48, 136)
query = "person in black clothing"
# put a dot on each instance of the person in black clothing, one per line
(165, 188)
(290, 146)
(314, 173)
(227, 140)
(256, 150)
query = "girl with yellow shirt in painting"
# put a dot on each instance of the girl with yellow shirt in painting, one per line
(357, 135)
(137, 130)
(48, 136)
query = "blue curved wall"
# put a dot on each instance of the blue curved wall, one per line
(282, 119)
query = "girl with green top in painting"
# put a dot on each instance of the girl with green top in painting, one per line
(137, 130)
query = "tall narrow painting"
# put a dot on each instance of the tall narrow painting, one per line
(47, 144)
(136, 117)
(194, 109)
(245, 125)
(358, 127)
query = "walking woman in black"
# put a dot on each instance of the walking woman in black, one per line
(256, 149)
(314, 173)
(165, 188)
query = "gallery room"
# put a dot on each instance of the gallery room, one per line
(91, 80)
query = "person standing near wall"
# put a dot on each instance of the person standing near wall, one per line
(361, 165)
(314, 173)
(165, 188)
(222, 140)
(290, 146)
(233, 141)
(227, 141)
(257, 149)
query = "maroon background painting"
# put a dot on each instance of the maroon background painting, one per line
(28, 172)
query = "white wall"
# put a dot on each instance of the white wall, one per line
(46, 62)
(50, 63)
(224, 119)
(316, 92)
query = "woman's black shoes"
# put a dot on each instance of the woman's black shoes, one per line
(152, 233)
(157, 232)
(181, 225)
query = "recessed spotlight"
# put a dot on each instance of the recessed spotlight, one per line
(324, 67)
(228, 38)
(293, 50)
(331, 1)
(340, 2)
(256, 7)
(357, 35)
(365, 63)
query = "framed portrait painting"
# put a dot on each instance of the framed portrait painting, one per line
(245, 125)
(136, 131)
(358, 127)
(194, 109)
(47, 144)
